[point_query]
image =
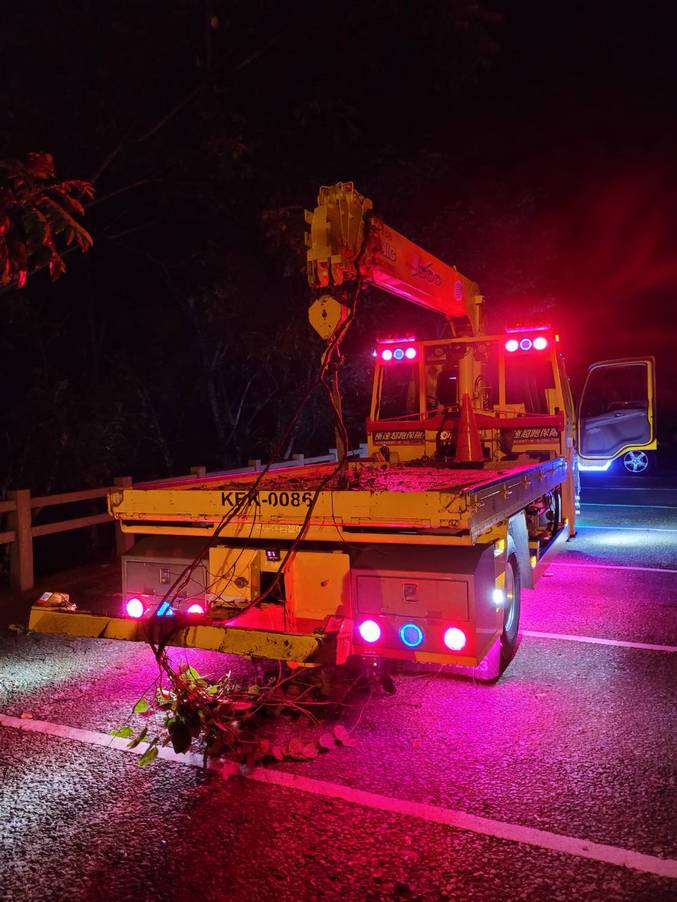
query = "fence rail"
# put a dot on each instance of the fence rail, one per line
(20, 508)
(20, 505)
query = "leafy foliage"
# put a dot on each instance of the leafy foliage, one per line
(35, 211)
(224, 718)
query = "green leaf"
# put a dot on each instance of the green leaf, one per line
(141, 706)
(123, 733)
(190, 673)
(137, 739)
(149, 755)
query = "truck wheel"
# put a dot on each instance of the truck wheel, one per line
(511, 612)
(637, 463)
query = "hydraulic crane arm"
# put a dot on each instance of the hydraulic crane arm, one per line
(346, 240)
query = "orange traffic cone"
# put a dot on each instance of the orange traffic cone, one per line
(468, 444)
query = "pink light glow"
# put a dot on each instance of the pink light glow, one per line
(455, 639)
(386, 354)
(511, 345)
(370, 631)
(540, 343)
(410, 353)
(196, 609)
(135, 608)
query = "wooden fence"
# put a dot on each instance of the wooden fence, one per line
(20, 505)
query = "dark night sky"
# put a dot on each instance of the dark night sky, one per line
(532, 146)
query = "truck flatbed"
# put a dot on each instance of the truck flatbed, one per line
(400, 503)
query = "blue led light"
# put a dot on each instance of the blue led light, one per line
(411, 635)
(398, 354)
(525, 344)
(165, 610)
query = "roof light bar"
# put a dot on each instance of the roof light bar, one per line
(539, 343)
(399, 353)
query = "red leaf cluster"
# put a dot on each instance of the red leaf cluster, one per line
(37, 214)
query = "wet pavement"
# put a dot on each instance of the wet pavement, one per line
(576, 740)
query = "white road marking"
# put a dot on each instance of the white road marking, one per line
(461, 820)
(593, 640)
(628, 528)
(661, 507)
(630, 488)
(576, 566)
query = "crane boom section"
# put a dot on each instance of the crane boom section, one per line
(346, 240)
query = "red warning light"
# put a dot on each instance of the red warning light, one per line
(369, 631)
(455, 639)
(511, 345)
(540, 343)
(134, 608)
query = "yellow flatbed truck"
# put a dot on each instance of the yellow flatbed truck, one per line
(417, 552)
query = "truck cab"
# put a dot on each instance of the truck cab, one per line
(516, 383)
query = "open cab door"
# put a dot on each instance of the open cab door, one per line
(617, 413)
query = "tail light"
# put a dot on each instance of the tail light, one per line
(135, 608)
(511, 345)
(369, 631)
(455, 639)
(196, 609)
(540, 343)
(525, 344)
(411, 635)
(386, 354)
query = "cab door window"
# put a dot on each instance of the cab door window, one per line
(399, 391)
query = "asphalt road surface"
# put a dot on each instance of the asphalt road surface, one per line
(556, 783)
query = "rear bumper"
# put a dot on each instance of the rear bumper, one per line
(247, 642)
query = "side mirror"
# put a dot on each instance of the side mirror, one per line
(616, 411)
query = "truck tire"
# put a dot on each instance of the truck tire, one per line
(636, 463)
(511, 612)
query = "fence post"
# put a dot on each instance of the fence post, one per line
(123, 540)
(198, 471)
(21, 551)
